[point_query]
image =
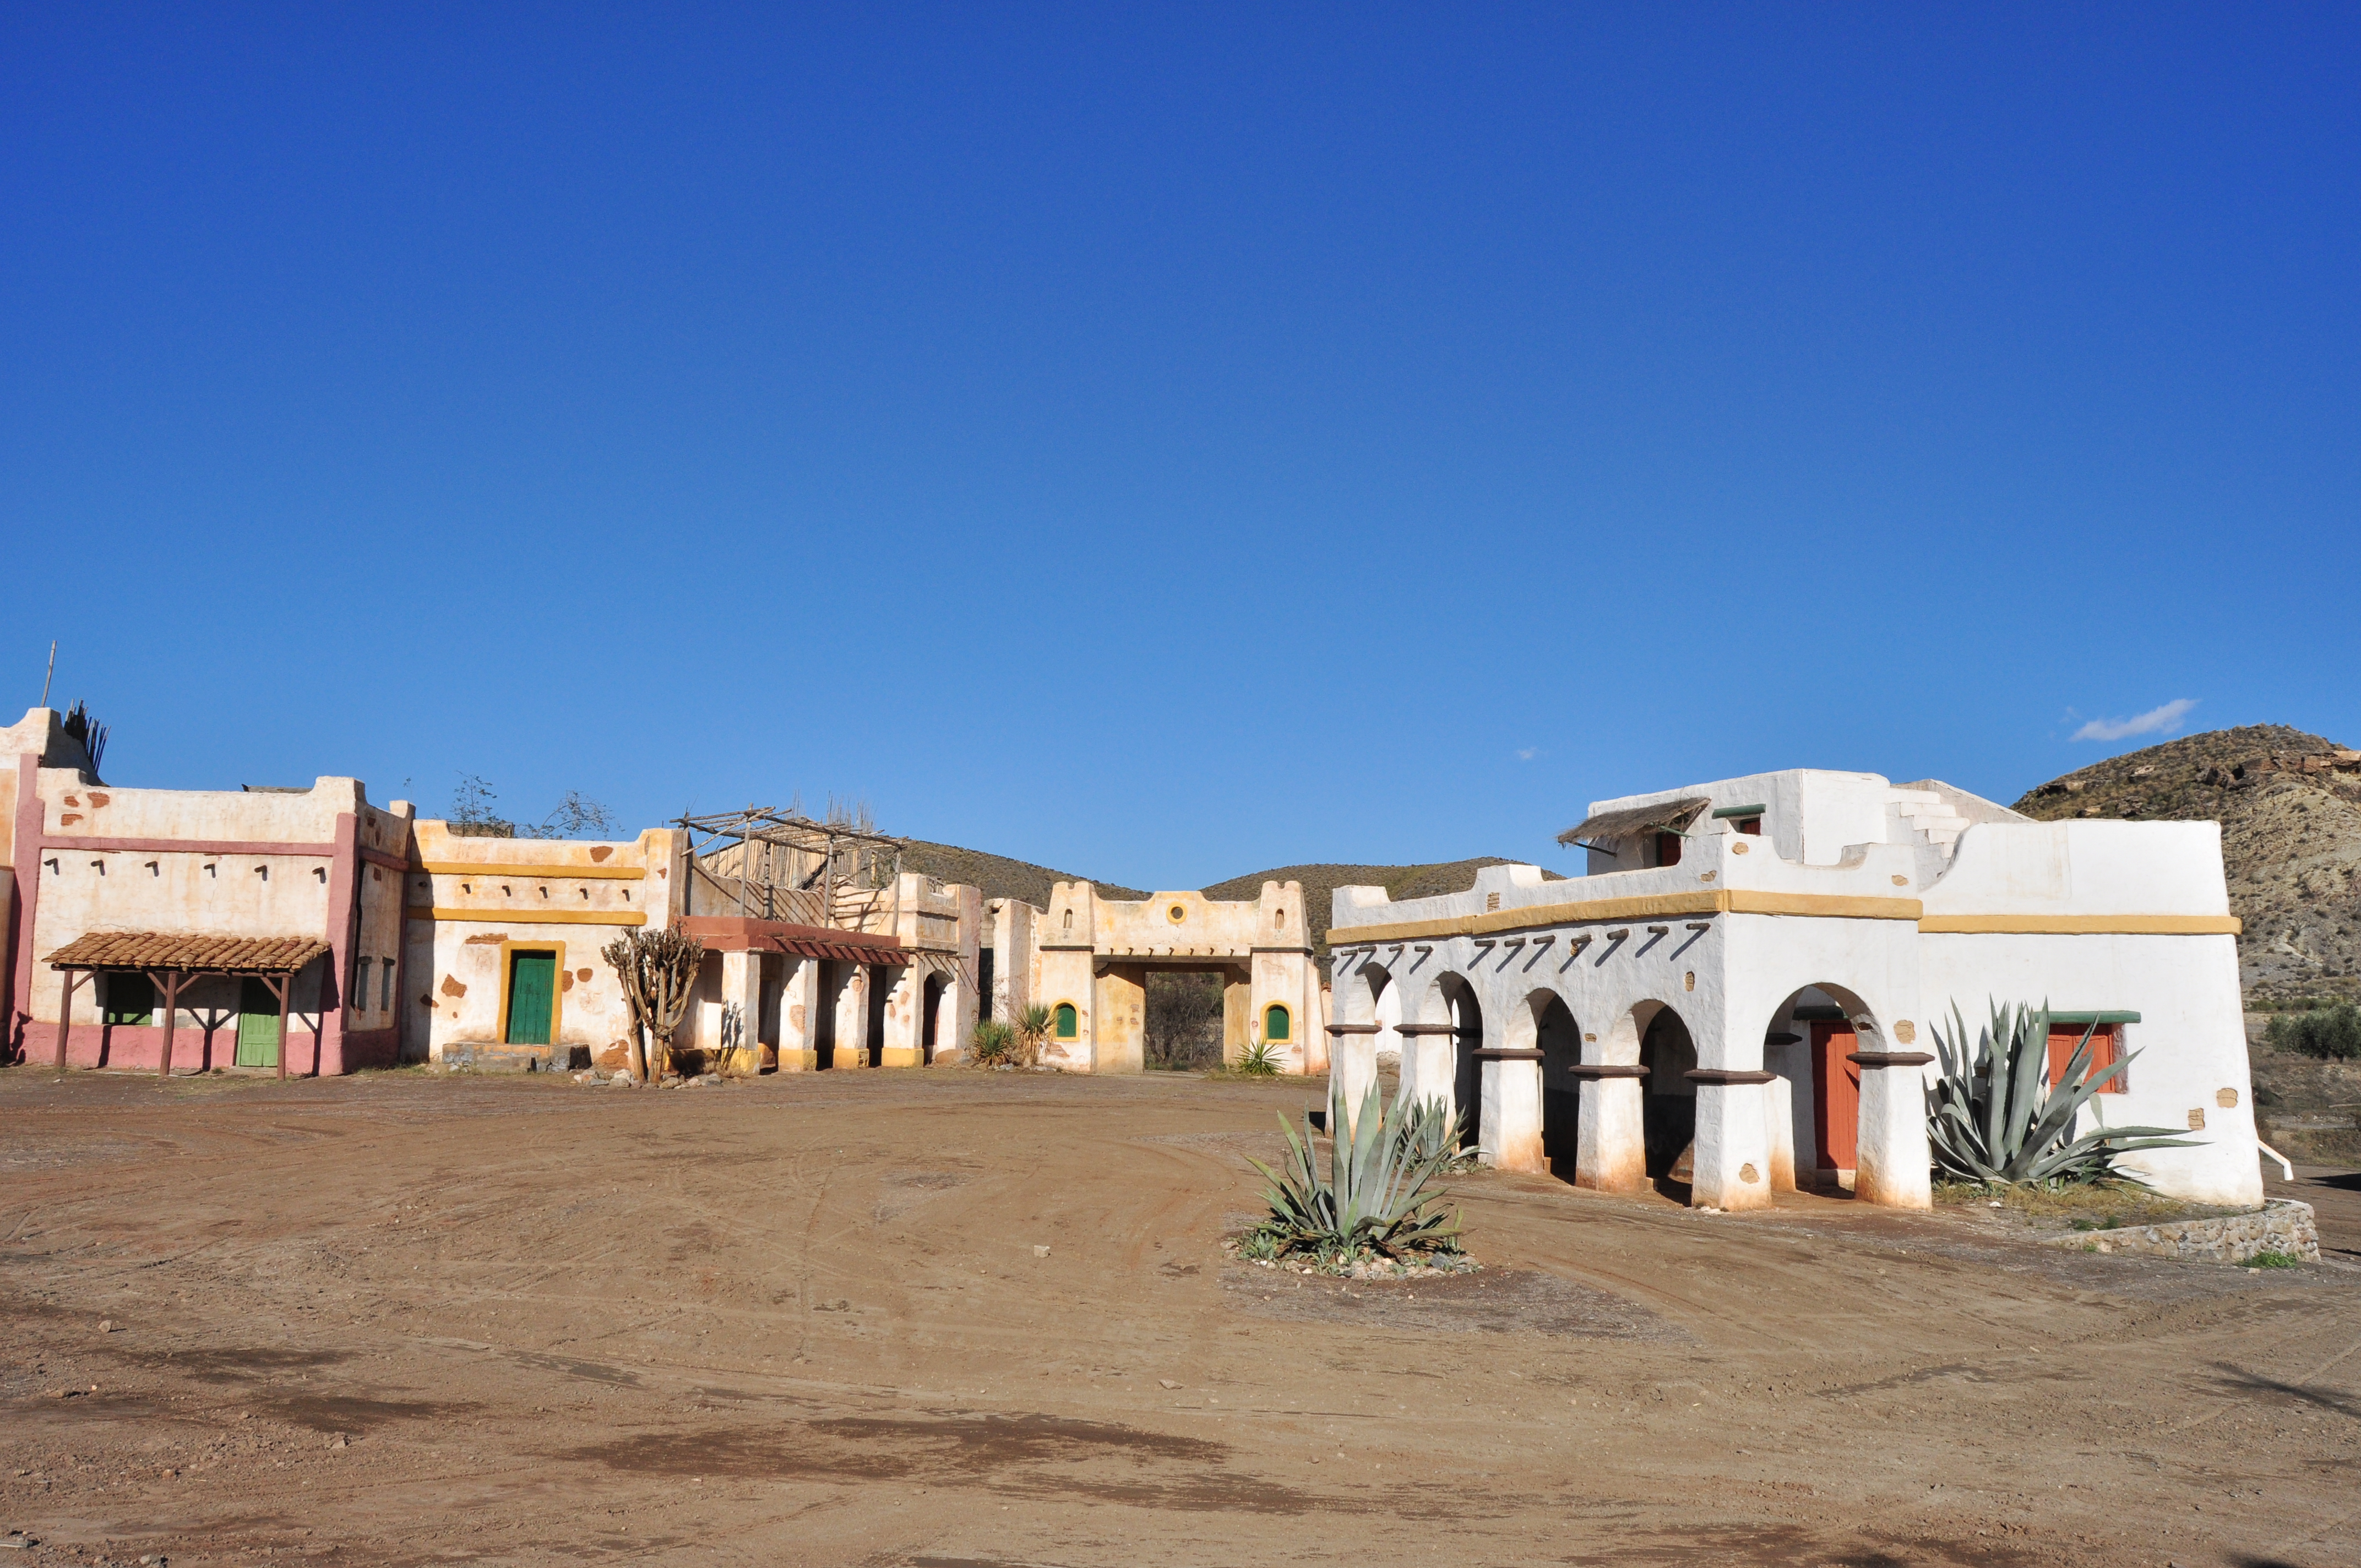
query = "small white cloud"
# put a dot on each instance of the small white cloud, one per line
(2155, 721)
(1527, 753)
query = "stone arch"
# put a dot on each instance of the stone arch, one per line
(1543, 1021)
(934, 1015)
(1806, 1043)
(1386, 1012)
(1464, 1012)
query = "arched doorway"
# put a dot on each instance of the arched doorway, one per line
(930, 1017)
(1809, 1044)
(1559, 1041)
(1466, 1020)
(1669, 1053)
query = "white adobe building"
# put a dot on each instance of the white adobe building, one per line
(1752, 971)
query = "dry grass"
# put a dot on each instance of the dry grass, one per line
(2095, 1206)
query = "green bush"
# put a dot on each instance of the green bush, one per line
(2275, 1260)
(2331, 1034)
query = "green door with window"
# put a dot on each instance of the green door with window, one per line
(532, 988)
(257, 1025)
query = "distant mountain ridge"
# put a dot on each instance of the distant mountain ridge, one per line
(2290, 806)
(1002, 877)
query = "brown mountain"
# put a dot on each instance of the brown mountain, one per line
(999, 876)
(2290, 806)
(1321, 881)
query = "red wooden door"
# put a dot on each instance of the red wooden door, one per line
(1835, 1095)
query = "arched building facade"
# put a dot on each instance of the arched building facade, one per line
(1740, 994)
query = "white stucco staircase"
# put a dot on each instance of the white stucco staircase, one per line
(1928, 817)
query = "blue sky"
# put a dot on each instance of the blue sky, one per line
(1163, 444)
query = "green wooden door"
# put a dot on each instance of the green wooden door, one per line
(533, 986)
(257, 1025)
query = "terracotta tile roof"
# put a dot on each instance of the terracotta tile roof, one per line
(165, 950)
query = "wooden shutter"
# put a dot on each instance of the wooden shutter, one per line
(2106, 1049)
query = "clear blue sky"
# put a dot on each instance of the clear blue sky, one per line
(1166, 444)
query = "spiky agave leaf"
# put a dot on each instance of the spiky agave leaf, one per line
(1999, 1122)
(1374, 1196)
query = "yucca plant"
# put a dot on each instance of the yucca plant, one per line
(1374, 1198)
(1032, 1032)
(1261, 1060)
(992, 1043)
(1996, 1120)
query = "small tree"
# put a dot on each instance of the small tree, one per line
(658, 970)
(577, 817)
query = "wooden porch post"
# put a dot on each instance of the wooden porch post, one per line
(65, 1014)
(286, 984)
(173, 978)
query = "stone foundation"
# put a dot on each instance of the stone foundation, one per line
(2281, 1225)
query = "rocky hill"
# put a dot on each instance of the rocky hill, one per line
(2290, 806)
(999, 876)
(1321, 881)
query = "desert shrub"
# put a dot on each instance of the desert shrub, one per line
(2330, 1034)
(1184, 1020)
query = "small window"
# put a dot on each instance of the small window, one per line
(1276, 1027)
(385, 987)
(1750, 826)
(130, 999)
(1069, 1023)
(1070, 920)
(1668, 849)
(361, 987)
(2106, 1049)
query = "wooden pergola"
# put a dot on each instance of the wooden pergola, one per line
(169, 961)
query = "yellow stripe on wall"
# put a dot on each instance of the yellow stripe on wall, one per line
(1817, 905)
(528, 916)
(537, 873)
(2083, 924)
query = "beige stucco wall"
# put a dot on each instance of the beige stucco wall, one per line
(472, 902)
(1095, 952)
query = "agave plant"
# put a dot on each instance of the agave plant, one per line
(1429, 1130)
(1995, 1118)
(1373, 1198)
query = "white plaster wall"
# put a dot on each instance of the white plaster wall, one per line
(2084, 867)
(2190, 1039)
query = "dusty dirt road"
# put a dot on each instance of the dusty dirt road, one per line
(395, 1319)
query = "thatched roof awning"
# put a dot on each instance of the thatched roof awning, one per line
(168, 951)
(1674, 815)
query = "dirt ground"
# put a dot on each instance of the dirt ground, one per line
(397, 1319)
